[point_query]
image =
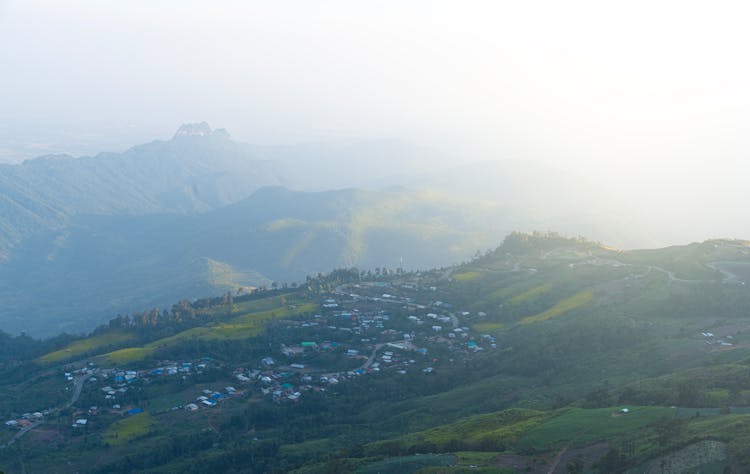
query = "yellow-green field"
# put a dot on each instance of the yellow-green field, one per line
(474, 458)
(529, 295)
(127, 355)
(503, 428)
(488, 327)
(239, 327)
(128, 429)
(562, 307)
(83, 346)
(466, 276)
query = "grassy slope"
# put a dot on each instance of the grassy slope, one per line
(128, 429)
(240, 327)
(580, 426)
(664, 317)
(655, 303)
(87, 345)
(561, 307)
(478, 432)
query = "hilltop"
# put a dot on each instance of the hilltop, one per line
(547, 354)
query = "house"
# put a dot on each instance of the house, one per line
(82, 422)
(290, 351)
(191, 407)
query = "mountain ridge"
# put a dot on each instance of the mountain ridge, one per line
(265, 213)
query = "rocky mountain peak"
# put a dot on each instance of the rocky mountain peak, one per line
(201, 129)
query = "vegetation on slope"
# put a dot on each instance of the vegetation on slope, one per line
(548, 392)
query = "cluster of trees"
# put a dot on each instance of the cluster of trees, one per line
(184, 314)
(17, 347)
(522, 243)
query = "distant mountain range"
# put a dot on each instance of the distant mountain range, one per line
(82, 239)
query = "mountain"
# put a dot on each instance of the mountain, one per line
(195, 171)
(98, 266)
(546, 354)
(84, 238)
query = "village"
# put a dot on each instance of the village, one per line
(362, 329)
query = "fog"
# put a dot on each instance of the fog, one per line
(648, 99)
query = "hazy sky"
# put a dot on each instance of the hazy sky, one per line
(645, 94)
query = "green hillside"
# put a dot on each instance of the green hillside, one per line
(545, 355)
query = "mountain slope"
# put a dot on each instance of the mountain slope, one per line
(82, 239)
(437, 370)
(195, 171)
(101, 265)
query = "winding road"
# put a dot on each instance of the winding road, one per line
(21, 432)
(77, 388)
(371, 359)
